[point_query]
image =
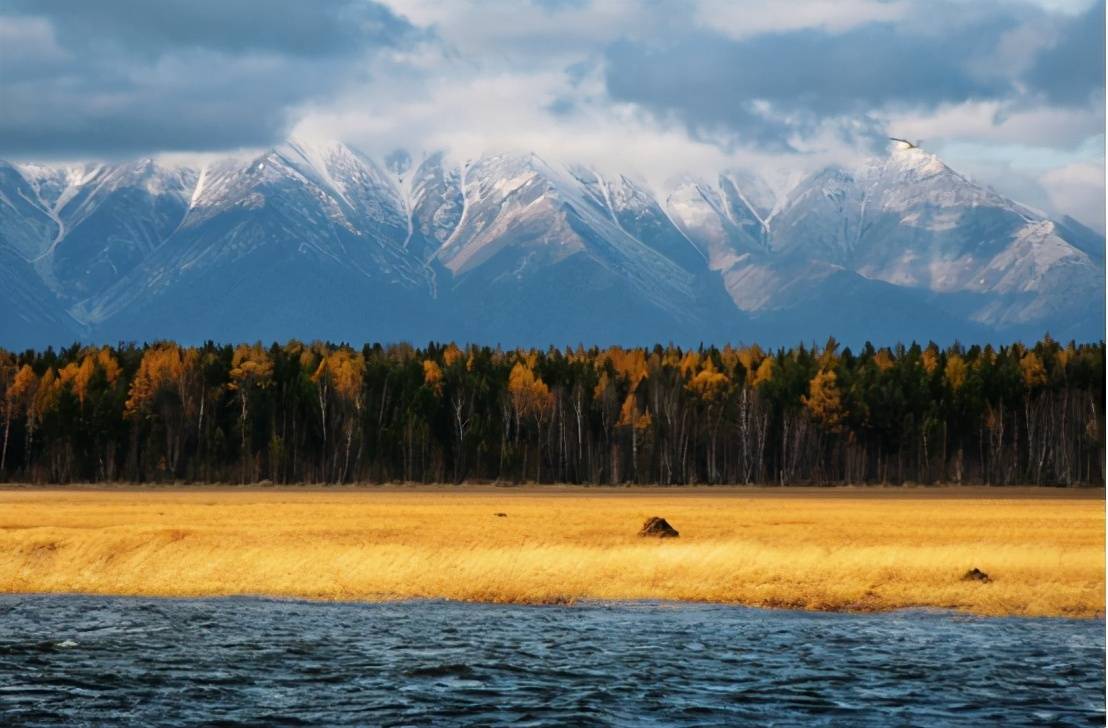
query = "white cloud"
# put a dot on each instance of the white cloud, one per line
(467, 110)
(477, 76)
(741, 19)
(469, 116)
(1078, 190)
(495, 76)
(995, 122)
(1069, 7)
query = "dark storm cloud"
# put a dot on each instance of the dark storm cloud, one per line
(291, 27)
(767, 88)
(120, 78)
(198, 101)
(129, 77)
(1072, 69)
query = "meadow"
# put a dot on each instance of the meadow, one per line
(860, 549)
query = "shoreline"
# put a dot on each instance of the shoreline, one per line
(849, 549)
(577, 604)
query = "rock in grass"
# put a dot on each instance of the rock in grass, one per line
(976, 574)
(658, 528)
(501, 515)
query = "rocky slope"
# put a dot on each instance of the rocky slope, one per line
(320, 241)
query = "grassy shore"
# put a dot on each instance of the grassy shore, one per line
(828, 549)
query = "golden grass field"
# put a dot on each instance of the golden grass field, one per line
(828, 549)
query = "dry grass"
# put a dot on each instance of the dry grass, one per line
(847, 549)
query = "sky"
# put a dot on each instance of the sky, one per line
(1010, 92)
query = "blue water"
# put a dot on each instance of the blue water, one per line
(72, 660)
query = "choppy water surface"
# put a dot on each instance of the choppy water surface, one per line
(89, 660)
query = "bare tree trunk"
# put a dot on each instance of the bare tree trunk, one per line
(7, 429)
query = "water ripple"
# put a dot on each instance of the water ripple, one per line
(70, 660)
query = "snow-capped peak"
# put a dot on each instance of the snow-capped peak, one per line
(110, 237)
(916, 161)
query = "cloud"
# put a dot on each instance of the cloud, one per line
(654, 88)
(511, 111)
(1078, 190)
(740, 19)
(28, 45)
(996, 123)
(125, 77)
(770, 87)
(1071, 70)
(151, 29)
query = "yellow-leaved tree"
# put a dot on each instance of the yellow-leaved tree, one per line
(638, 421)
(711, 388)
(930, 358)
(884, 360)
(338, 380)
(709, 384)
(824, 400)
(167, 388)
(451, 355)
(955, 372)
(529, 393)
(21, 396)
(530, 398)
(43, 400)
(631, 415)
(9, 370)
(251, 370)
(79, 375)
(764, 373)
(432, 375)
(1032, 370)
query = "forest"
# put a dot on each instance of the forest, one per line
(324, 413)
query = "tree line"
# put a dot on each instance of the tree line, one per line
(333, 413)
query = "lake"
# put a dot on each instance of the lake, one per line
(71, 660)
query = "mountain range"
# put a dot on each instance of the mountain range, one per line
(320, 241)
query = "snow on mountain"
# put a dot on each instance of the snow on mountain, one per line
(536, 254)
(113, 218)
(272, 246)
(436, 205)
(750, 204)
(319, 240)
(370, 198)
(718, 219)
(27, 225)
(821, 219)
(519, 206)
(634, 209)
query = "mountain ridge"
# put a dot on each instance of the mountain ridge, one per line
(322, 241)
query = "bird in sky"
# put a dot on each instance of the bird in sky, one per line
(905, 141)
